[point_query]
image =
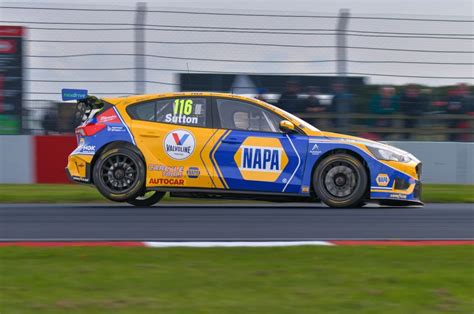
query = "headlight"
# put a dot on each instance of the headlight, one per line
(383, 153)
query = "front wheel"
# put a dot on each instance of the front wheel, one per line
(340, 180)
(148, 199)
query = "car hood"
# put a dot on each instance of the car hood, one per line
(360, 140)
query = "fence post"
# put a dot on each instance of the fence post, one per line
(140, 23)
(341, 43)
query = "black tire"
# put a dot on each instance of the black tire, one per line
(119, 174)
(147, 200)
(340, 180)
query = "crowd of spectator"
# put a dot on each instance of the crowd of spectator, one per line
(390, 113)
(410, 105)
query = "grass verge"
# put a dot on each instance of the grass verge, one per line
(237, 280)
(70, 193)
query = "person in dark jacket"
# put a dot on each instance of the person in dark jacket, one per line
(50, 121)
(341, 104)
(313, 105)
(385, 103)
(411, 106)
(459, 102)
(289, 98)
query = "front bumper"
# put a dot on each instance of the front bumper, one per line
(404, 185)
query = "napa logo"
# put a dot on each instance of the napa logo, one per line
(261, 159)
(382, 179)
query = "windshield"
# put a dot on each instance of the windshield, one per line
(301, 122)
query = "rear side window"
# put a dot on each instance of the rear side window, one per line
(190, 111)
(145, 111)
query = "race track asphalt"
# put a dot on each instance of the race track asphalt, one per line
(265, 221)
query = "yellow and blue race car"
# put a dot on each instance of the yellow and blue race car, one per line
(135, 149)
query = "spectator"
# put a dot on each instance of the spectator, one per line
(411, 105)
(341, 104)
(459, 102)
(312, 104)
(289, 99)
(50, 121)
(385, 103)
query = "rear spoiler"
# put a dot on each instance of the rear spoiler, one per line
(87, 105)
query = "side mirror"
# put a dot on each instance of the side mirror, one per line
(286, 126)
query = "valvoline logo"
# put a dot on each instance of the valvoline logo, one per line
(179, 140)
(261, 159)
(179, 144)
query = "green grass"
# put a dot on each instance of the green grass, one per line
(448, 193)
(70, 193)
(237, 280)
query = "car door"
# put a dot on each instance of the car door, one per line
(175, 136)
(253, 154)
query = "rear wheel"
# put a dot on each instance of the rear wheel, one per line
(119, 174)
(148, 199)
(340, 180)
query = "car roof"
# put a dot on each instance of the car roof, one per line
(127, 100)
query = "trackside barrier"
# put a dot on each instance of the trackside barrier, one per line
(41, 159)
(443, 162)
(51, 157)
(16, 162)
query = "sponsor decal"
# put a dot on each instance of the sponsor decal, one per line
(382, 179)
(112, 128)
(179, 144)
(81, 179)
(108, 116)
(73, 94)
(315, 150)
(261, 159)
(398, 196)
(161, 181)
(167, 171)
(180, 119)
(88, 148)
(193, 172)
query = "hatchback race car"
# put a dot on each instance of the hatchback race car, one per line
(135, 149)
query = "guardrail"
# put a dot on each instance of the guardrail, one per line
(41, 159)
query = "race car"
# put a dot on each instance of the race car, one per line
(199, 144)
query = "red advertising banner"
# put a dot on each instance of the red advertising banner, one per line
(51, 154)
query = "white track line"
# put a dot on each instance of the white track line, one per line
(236, 244)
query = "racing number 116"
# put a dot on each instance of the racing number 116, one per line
(183, 106)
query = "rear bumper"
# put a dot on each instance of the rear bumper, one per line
(79, 169)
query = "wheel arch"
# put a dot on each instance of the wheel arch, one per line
(111, 145)
(344, 151)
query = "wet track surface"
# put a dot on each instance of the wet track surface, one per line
(266, 221)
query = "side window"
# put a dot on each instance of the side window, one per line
(239, 115)
(181, 111)
(145, 111)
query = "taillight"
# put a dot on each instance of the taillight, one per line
(90, 129)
